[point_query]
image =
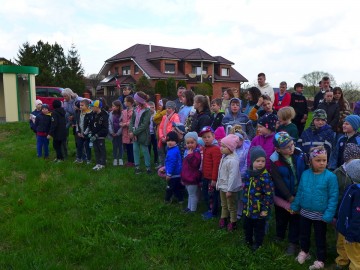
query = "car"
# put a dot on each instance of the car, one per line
(47, 94)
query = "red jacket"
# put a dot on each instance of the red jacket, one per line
(211, 162)
(285, 101)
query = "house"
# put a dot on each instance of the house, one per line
(159, 63)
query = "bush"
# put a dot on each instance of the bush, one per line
(144, 85)
(182, 84)
(204, 89)
(171, 88)
(160, 88)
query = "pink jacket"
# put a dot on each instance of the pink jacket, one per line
(174, 119)
(126, 118)
(267, 144)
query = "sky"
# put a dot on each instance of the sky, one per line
(285, 39)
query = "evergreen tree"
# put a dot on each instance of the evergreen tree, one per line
(144, 85)
(171, 88)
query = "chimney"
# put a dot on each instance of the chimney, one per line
(149, 47)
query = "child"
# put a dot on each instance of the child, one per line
(299, 103)
(287, 166)
(42, 127)
(153, 139)
(188, 104)
(160, 112)
(139, 131)
(348, 242)
(252, 96)
(180, 131)
(127, 92)
(126, 116)
(319, 133)
(173, 169)
(83, 120)
(210, 168)
(266, 129)
(258, 198)
(34, 113)
(115, 131)
(190, 172)
(316, 200)
(58, 129)
(285, 115)
(202, 116)
(227, 96)
(217, 115)
(229, 182)
(331, 108)
(267, 108)
(97, 132)
(282, 98)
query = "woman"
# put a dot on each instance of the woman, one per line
(253, 95)
(202, 116)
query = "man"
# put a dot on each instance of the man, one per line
(264, 87)
(324, 85)
(178, 102)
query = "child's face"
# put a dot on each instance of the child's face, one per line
(169, 111)
(215, 108)
(282, 89)
(96, 109)
(83, 107)
(183, 99)
(337, 95)
(347, 128)
(319, 122)
(180, 136)
(128, 104)
(259, 163)
(191, 143)
(224, 150)
(226, 96)
(45, 110)
(263, 130)
(235, 107)
(267, 106)
(126, 92)
(208, 138)
(283, 121)
(248, 96)
(152, 108)
(197, 105)
(115, 108)
(38, 107)
(170, 143)
(329, 96)
(299, 89)
(318, 163)
(287, 150)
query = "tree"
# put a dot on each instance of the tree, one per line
(144, 85)
(204, 89)
(160, 88)
(74, 72)
(171, 88)
(182, 83)
(312, 79)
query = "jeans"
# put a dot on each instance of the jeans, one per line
(174, 187)
(193, 198)
(283, 219)
(129, 152)
(83, 151)
(117, 147)
(100, 151)
(145, 152)
(42, 142)
(254, 227)
(153, 143)
(211, 198)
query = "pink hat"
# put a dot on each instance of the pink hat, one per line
(219, 133)
(37, 102)
(230, 141)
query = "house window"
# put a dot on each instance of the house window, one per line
(170, 68)
(225, 72)
(126, 70)
(136, 69)
(197, 70)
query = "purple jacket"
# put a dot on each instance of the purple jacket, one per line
(190, 173)
(267, 144)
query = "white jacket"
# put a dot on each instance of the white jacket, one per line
(229, 177)
(267, 90)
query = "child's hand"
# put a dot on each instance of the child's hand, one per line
(131, 135)
(190, 151)
(168, 178)
(260, 101)
(263, 213)
(213, 183)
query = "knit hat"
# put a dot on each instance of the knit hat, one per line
(354, 121)
(77, 104)
(353, 170)
(193, 135)
(56, 104)
(179, 127)
(97, 103)
(351, 151)
(219, 133)
(281, 139)
(38, 102)
(268, 121)
(230, 141)
(44, 106)
(206, 129)
(172, 136)
(171, 104)
(256, 152)
(320, 114)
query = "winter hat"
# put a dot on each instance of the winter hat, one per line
(44, 106)
(171, 104)
(193, 135)
(281, 139)
(77, 104)
(97, 103)
(353, 170)
(230, 141)
(179, 127)
(56, 104)
(268, 121)
(219, 133)
(172, 136)
(256, 152)
(351, 151)
(354, 121)
(38, 102)
(320, 114)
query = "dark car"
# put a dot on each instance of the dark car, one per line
(47, 94)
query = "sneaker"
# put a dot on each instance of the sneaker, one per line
(148, 171)
(291, 249)
(207, 215)
(186, 211)
(317, 265)
(88, 162)
(302, 257)
(121, 162)
(130, 164)
(137, 171)
(58, 160)
(78, 161)
(115, 162)
(100, 167)
(96, 167)
(222, 223)
(231, 226)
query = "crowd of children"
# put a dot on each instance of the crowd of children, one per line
(240, 165)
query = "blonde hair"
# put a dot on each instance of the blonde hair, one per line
(203, 100)
(286, 113)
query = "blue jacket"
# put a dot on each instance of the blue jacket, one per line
(348, 223)
(285, 182)
(173, 162)
(317, 193)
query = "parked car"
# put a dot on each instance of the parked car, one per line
(47, 94)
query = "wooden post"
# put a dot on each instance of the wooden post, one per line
(157, 98)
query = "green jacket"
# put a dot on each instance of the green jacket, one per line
(142, 132)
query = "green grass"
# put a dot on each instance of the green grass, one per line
(65, 216)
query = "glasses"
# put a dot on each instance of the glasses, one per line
(289, 147)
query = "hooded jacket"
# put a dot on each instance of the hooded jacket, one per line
(42, 124)
(58, 124)
(190, 172)
(229, 178)
(239, 119)
(200, 120)
(332, 112)
(211, 161)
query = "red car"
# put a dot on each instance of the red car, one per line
(47, 94)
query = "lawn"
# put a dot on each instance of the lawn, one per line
(65, 216)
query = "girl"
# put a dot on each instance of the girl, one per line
(160, 112)
(126, 116)
(188, 102)
(227, 96)
(316, 199)
(344, 108)
(229, 182)
(115, 131)
(253, 95)
(202, 117)
(190, 172)
(139, 131)
(285, 115)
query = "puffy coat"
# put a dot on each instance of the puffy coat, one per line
(173, 119)
(173, 162)
(190, 172)
(42, 124)
(211, 161)
(200, 120)
(142, 132)
(58, 124)
(229, 177)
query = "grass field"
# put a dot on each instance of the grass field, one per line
(65, 216)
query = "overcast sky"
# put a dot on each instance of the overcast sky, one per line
(285, 39)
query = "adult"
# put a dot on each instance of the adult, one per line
(127, 91)
(202, 117)
(188, 105)
(324, 85)
(264, 87)
(282, 98)
(177, 101)
(252, 96)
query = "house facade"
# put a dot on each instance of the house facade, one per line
(159, 63)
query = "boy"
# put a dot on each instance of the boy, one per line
(34, 113)
(180, 131)
(331, 108)
(348, 242)
(217, 115)
(97, 132)
(299, 103)
(83, 119)
(267, 108)
(287, 166)
(282, 98)
(210, 167)
(173, 168)
(42, 127)
(153, 140)
(58, 130)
